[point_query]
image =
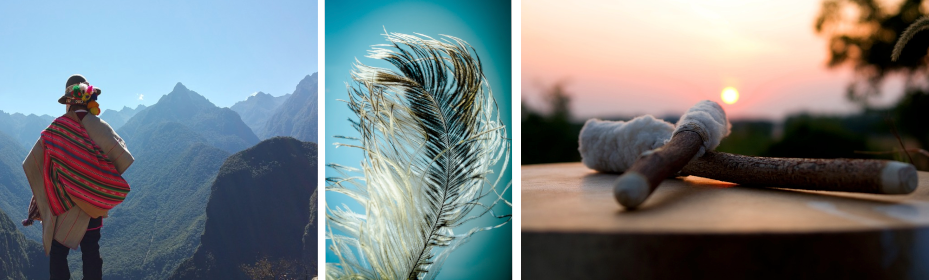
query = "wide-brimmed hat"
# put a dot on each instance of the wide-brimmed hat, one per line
(78, 91)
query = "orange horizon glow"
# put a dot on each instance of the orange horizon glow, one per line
(663, 56)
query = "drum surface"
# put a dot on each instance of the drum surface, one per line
(701, 228)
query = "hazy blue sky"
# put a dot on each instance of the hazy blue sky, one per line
(136, 52)
(353, 26)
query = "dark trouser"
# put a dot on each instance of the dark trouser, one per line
(90, 253)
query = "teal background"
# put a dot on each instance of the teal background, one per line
(352, 27)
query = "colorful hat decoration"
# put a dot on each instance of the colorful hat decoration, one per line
(79, 92)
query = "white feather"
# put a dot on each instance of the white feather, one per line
(433, 141)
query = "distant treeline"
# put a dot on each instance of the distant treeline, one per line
(553, 136)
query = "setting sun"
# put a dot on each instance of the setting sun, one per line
(730, 95)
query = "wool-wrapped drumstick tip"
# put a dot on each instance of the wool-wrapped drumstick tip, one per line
(631, 189)
(700, 129)
(898, 178)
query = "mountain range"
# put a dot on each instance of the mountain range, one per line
(257, 109)
(24, 129)
(117, 119)
(220, 127)
(261, 204)
(179, 145)
(298, 117)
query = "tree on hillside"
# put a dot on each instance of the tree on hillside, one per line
(550, 137)
(862, 34)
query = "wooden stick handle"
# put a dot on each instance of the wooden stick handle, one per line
(637, 183)
(847, 175)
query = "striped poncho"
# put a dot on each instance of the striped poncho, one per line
(78, 172)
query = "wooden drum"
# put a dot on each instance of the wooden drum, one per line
(693, 228)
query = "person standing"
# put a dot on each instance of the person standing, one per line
(75, 173)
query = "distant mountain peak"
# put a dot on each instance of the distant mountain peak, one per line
(184, 97)
(257, 108)
(298, 115)
(18, 114)
(260, 95)
(179, 87)
(130, 109)
(221, 126)
(117, 119)
(309, 80)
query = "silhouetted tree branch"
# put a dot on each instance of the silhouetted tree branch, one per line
(862, 34)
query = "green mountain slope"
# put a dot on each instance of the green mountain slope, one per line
(14, 189)
(179, 144)
(157, 226)
(262, 205)
(20, 258)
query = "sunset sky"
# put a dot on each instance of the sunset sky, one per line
(661, 57)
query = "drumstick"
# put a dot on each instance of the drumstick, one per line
(700, 129)
(616, 146)
(847, 175)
